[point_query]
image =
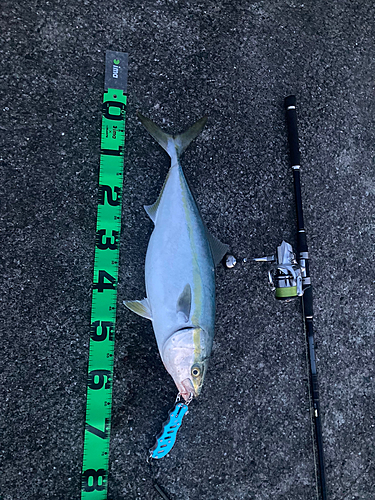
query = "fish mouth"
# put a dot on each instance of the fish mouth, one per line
(187, 389)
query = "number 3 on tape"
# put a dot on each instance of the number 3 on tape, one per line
(104, 296)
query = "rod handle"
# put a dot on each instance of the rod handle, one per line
(291, 120)
(307, 297)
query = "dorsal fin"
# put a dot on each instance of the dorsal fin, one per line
(152, 209)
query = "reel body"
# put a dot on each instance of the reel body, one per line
(286, 274)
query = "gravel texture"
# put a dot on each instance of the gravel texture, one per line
(249, 434)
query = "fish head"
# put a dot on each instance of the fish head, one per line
(185, 356)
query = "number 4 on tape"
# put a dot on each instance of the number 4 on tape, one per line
(104, 296)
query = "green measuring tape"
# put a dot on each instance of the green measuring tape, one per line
(104, 296)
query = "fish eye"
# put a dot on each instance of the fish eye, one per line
(195, 371)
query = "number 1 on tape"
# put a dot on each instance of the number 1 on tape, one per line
(104, 296)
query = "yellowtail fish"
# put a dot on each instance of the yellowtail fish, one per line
(179, 271)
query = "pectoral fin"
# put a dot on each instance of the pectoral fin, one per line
(218, 248)
(140, 307)
(184, 303)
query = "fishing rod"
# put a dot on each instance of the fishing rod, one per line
(307, 297)
(289, 277)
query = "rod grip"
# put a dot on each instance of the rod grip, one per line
(294, 156)
(308, 301)
(291, 120)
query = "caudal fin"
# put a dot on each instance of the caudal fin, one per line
(169, 142)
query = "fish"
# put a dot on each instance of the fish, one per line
(180, 271)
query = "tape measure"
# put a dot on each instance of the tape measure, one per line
(104, 296)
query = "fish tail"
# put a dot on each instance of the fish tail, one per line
(170, 143)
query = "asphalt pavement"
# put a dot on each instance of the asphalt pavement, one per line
(249, 434)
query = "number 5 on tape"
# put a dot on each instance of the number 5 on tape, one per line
(104, 296)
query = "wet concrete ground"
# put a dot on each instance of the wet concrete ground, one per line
(249, 434)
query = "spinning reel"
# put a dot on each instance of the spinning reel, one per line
(286, 275)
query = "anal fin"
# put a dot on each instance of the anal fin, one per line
(218, 248)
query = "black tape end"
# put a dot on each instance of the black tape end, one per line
(116, 70)
(290, 101)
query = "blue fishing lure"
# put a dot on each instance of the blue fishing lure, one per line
(167, 438)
